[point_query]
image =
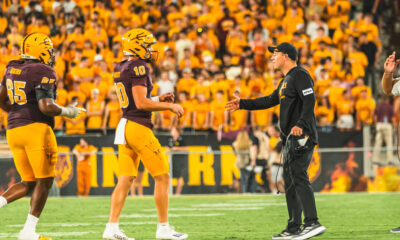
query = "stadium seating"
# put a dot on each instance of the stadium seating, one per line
(205, 47)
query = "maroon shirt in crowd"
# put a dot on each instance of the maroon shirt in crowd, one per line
(384, 112)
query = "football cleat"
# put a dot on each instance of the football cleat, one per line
(168, 233)
(115, 235)
(285, 234)
(395, 230)
(44, 238)
(23, 235)
(310, 231)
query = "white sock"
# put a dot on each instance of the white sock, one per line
(163, 225)
(30, 224)
(112, 226)
(3, 202)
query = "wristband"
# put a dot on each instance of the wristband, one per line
(64, 112)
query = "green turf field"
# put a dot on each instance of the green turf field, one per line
(348, 216)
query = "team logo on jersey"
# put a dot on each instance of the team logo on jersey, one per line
(15, 71)
(314, 170)
(64, 167)
(284, 85)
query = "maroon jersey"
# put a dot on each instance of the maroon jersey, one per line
(128, 74)
(21, 79)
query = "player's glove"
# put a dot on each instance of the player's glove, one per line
(396, 89)
(71, 111)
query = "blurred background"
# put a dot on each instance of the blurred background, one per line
(210, 50)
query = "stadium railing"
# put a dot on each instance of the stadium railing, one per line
(6, 158)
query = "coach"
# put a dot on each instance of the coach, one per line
(296, 97)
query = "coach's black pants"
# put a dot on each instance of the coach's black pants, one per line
(299, 193)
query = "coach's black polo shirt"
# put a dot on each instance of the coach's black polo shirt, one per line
(296, 97)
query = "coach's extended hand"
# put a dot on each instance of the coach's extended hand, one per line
(233, 105)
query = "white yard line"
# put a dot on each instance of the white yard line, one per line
(63, 234)
(255, 200)
(208, 209)
(79, 224)
(170, 215)
(51, 234)
(232, 205)
(223, 207)
(55, 225)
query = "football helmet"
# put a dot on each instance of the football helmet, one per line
(38, 46)
(137, 42)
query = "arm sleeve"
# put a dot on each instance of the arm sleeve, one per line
(304, 88)
(43, 92)
(260, 103)
(139, 81)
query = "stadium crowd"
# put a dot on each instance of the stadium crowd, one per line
(208, 51)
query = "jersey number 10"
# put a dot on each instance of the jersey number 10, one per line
(121, 93)
(15, 92)
(139, 71)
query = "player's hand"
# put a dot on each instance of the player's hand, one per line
(391, 63)
(177, 109)
(296, 131)
(168, 97)
(233, 105)
(71, 111)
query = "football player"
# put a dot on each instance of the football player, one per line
(134, 134)
(27, 93)
(391, 86)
